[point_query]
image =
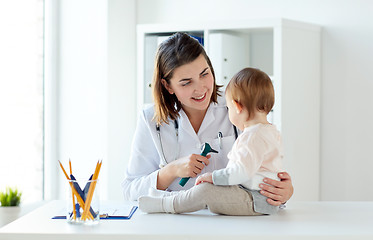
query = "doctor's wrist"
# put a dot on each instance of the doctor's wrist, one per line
(166, 176)
(173, 170)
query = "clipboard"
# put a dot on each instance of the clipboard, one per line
(107, 216)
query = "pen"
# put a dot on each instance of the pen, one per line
(220, 136)
(82, 194)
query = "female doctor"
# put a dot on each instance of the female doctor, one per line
(188, 111)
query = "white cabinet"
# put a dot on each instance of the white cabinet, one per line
(229, 53)
(288, 51)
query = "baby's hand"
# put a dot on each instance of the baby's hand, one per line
(206, 177)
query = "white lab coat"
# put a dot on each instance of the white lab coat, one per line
(146, 155)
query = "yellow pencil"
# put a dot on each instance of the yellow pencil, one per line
(68, 178)
(72, 192)
(91, 190)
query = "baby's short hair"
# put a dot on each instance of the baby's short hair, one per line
(253, 89)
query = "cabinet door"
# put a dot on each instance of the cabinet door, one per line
(229, 53)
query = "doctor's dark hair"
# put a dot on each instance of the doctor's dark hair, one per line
(176, 51)
(253, 89)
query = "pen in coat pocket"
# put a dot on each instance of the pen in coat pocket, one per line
(220, 136)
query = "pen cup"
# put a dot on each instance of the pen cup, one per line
(83, 202)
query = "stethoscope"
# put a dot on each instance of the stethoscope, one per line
(158, 128)
(176, 125)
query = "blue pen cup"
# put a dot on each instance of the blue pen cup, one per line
(83, 201)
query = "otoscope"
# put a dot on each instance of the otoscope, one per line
(206, 149)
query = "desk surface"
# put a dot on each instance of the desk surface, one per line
(300, 220)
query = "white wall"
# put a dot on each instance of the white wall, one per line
(97, 80)
(122, 89)
(82, 84)
(346, 89)
(93, 52)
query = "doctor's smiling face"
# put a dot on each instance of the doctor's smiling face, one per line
(193, 85)
(183, 78)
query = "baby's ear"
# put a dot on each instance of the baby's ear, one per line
(238, 106)
(167, 86)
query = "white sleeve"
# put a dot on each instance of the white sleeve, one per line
(143, 167)
(245, 160)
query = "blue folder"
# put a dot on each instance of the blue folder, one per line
(108, 217)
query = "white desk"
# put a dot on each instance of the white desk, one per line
(301, 220)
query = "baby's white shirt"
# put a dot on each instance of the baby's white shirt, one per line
(257, 153)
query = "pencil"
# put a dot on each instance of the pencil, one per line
(91, 190)
(72, 193)
(64, 170)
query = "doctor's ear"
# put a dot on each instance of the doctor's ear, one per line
(238, 106)
(167, 86)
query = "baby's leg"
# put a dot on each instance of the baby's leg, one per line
(231, 200)
(227, 200)
(193, 199)
(178, 202)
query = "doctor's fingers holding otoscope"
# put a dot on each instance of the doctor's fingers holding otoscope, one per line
(189, 166)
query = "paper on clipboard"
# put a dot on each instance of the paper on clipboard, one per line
(117, 212)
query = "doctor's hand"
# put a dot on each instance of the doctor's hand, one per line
(191, 165)
(278, 192)
(206, 177)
